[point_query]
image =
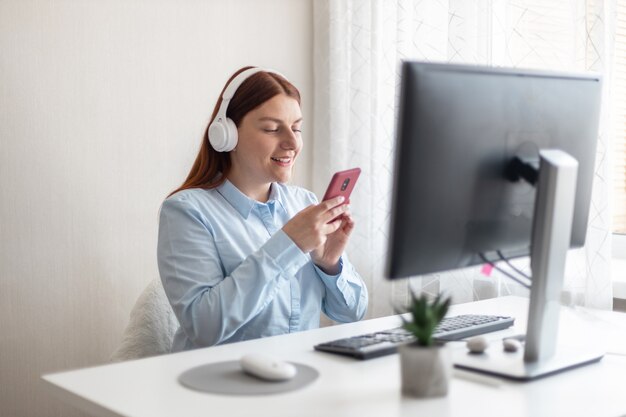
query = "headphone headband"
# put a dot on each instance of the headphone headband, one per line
(222, 131)
(232, 87)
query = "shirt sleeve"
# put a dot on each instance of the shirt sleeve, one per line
(209, 305)
(346, 294)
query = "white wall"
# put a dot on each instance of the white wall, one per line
(102, 108)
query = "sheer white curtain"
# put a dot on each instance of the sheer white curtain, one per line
(358, 46)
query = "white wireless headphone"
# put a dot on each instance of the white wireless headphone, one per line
(223, 131)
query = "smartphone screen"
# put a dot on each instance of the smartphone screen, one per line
(342, 183)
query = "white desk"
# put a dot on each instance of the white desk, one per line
(347, 387)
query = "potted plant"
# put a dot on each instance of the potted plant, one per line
(426, 366)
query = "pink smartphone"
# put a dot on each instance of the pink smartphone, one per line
(342, 183)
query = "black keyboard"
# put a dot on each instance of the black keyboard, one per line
(377, 344)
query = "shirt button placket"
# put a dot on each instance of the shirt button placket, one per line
(267, 218)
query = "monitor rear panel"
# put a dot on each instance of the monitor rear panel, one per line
(458, 129)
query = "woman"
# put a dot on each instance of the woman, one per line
(241, 254)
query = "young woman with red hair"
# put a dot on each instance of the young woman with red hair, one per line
(242, 254)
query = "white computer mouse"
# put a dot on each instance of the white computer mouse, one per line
(477, 344)
(266, 367)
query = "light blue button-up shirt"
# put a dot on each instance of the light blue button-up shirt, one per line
(231, 273)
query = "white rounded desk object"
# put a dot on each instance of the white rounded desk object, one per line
(266, 367)
(511, 345)
(477, 344)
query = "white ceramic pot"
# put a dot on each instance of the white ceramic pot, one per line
(426, 371)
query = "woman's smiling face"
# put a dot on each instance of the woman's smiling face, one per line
(269, 143)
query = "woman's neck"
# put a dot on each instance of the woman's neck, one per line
(259, 192)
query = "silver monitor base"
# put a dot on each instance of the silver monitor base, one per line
(552, 228)
(495, 361)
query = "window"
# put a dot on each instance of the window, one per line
(619, 126)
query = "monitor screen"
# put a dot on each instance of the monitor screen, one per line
(459, 128)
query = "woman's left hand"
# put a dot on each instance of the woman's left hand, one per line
(326, 256)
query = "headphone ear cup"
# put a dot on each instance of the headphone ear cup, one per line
(223, 135)
(233, 135)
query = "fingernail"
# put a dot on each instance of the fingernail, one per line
(341, 198)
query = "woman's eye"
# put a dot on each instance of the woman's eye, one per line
(297, 130)
(271, 130)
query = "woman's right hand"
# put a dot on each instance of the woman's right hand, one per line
(310, 227)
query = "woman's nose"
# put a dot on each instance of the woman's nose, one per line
(290, 140)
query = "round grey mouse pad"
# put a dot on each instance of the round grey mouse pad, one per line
(228, 378)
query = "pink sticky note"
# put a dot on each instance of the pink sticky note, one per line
(486, 270)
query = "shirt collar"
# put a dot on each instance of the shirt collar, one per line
(276, 195)
(244, 204)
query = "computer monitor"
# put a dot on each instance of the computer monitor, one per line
(468, 185)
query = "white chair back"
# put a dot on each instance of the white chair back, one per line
(151, 328)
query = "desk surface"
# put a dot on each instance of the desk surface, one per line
(348, 387)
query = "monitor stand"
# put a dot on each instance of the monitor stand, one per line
(552, 224)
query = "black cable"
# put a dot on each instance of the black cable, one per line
(513, 277)
(519, 271)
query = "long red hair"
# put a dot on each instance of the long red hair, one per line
(211, 167)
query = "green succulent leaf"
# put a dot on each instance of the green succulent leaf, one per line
(425, 316)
